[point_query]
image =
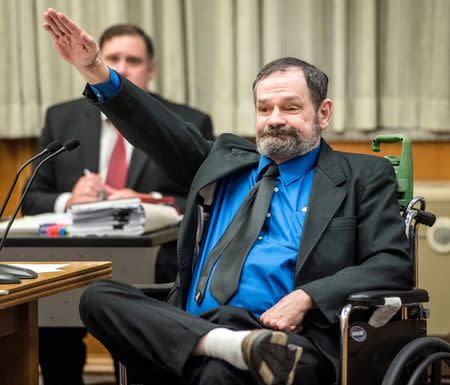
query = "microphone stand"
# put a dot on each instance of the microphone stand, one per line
(16, 271)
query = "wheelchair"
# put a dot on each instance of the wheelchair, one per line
(399, 352)
(391, 349)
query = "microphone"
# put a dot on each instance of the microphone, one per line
(52, 147)
(8, 271)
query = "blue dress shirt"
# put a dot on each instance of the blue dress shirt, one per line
(108, 89)
(268, 272)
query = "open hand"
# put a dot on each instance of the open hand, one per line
(288, 313)
(76, 46)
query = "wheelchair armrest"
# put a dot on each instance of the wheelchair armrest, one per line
(157, 290)
(376, 297)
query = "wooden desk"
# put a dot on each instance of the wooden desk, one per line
(133, 259)
(19, 317)
(153, 239)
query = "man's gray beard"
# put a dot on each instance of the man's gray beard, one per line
(284, 142)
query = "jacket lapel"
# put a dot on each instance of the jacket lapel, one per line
(228, 155)
(91, 137)
(327, 194)
(137, 163)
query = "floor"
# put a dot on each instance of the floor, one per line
(95, 379)
(99, 379)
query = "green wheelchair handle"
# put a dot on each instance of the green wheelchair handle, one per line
(403, 165)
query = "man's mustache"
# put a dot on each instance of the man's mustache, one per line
(278, 131)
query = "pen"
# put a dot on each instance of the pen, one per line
(101, 194)
(86, 171)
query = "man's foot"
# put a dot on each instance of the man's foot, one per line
(269, 357)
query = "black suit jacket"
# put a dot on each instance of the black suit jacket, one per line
(353, 237)
(81, 120)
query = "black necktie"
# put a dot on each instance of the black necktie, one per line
(232, 248)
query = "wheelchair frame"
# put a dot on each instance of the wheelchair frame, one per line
(433, 349)
(411, 300)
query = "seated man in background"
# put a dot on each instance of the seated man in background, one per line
(273, 241)
(105, 162)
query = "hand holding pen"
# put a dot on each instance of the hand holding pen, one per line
(105, 191)
(101, 194)
(89, 188)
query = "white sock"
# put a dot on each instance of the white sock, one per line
(226, 344)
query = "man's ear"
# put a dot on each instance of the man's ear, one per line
(324, 113)
(151, 69)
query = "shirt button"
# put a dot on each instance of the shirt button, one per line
(276, 189)
(260, 238)
(268, 215)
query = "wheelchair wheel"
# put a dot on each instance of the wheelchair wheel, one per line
(419, 363)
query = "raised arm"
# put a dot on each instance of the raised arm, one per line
(176, 146)
(76, 46)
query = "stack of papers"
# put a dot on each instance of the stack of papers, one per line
(122, 217)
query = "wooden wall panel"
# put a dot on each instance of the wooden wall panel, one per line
(13, 153)
(431, 160)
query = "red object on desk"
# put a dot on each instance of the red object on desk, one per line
(148, 198)
(53, 230)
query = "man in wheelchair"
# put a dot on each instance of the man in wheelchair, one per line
(274, 239)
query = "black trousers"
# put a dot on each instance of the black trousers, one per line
(155, 340)
(62, 352)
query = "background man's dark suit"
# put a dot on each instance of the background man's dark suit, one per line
(353, 237)
(79, 119)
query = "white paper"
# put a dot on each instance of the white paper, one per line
(108, 205)
(159, 216)
(41, 267)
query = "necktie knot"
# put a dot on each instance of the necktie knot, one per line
(272, 171)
